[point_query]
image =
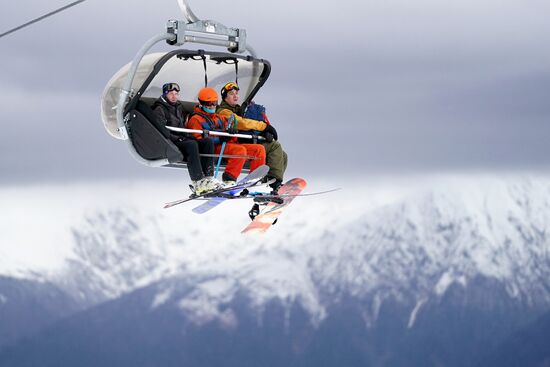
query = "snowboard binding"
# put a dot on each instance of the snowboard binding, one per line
(268, 199)
(254, 211)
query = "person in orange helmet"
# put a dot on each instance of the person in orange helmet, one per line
(204, 117)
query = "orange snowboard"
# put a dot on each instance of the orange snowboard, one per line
(272, 210)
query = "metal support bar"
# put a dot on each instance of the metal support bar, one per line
(229, 156)
(214, 133)
(124, 94)
(187, 12)
(252, 52)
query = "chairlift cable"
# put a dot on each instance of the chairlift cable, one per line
(41, 18)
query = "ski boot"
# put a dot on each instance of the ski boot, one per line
(204, 186)
(275, 186)
(214, 184)
(228, 180)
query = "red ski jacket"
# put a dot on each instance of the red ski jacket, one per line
(201, 120)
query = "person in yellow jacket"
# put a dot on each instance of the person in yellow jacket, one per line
(276, 157)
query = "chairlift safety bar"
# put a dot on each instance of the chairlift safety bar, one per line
(214, 133)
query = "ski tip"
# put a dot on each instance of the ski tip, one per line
(297, 181)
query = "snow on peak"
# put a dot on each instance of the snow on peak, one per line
(411, 239)
(460, 228)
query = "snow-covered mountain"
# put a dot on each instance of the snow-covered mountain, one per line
(106, 241)
(453, 234)
(412, 251)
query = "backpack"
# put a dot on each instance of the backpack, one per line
(255, 111)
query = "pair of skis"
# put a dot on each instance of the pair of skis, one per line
(249, 180)
(274, 204)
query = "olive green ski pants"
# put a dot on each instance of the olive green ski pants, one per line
(276, 159)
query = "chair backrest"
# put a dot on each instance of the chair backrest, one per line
(187, 106)
(145, 109)
(151, 138)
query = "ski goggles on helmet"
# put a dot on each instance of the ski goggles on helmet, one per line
(208, 103)
(168, 87)
(230, 86)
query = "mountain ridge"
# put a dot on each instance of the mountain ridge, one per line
(417, 246)
(430, 277)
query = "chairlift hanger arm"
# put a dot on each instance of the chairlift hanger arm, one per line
(207, 32)
(187, 12)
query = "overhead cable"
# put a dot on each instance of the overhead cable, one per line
(41, 18)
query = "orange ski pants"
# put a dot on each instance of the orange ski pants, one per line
(235, 165)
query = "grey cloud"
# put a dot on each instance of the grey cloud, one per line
(356, 85)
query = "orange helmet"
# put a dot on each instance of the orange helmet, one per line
(208, 95)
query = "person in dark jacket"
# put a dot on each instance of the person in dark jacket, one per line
(169, 111)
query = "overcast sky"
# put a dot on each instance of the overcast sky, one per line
(357, 86)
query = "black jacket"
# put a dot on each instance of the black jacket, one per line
(171, 115)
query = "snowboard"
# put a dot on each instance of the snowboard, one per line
(272, 211)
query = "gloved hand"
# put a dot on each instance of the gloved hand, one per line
(268, 137)
(270, 130)
(224, 139)
(232, 130)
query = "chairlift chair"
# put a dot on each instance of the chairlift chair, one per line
(129, 95)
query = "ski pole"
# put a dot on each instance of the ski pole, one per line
(219, 161)
(230, 124)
